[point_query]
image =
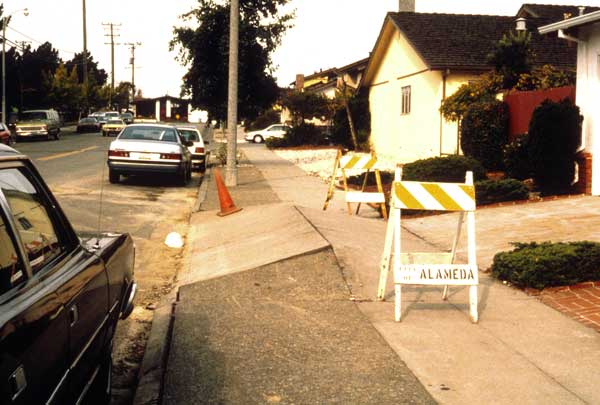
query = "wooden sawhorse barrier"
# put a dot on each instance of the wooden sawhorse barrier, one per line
(357, 163)
(430, 268)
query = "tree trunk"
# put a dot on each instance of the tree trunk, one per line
(351, 124)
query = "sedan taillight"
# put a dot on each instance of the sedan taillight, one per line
(118, 153)
(171, 156)
(199, 150)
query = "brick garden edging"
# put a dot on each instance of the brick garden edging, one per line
(580, 301)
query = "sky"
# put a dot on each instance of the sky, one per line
(326, 33)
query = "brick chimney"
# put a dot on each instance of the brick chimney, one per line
(406, 5)
(299, 81)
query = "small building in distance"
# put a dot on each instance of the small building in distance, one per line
(165, 108)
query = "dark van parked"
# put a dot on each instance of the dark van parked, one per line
(61, 295)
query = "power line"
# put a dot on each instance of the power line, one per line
(37, 41)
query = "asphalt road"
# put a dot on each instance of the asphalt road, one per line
(148, 208)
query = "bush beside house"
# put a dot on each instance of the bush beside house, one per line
(484, 132)
(554, 137)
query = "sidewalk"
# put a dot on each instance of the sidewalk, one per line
(521, 351)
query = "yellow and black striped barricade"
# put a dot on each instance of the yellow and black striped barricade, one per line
(430, 268)
(356, 163)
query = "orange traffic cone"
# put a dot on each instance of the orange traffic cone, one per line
(227, 205)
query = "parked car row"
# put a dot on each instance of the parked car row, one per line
(97, 121)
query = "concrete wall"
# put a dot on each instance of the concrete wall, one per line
(403, 138)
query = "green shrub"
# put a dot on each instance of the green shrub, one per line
(493, 191)
(275, 143)
(265, 119)
(484, 132)
(541, 265)
(221, 154)
(303, 134)
(386, 178)
(516, 158)
(449, 169)
(554, 136)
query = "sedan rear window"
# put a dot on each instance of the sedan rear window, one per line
(149, 134)
(189, 134)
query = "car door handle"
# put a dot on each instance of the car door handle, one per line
(73, 315)
(17, 382)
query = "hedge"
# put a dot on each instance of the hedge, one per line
(303, 134)
(448, 169)
(554, 137)
(494, 191)
(541, 265)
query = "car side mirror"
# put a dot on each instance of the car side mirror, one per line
(188, 143)
(207, 142)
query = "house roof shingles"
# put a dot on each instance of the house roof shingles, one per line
(463, 41)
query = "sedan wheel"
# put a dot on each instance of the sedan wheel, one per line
(113, 177)
(258, 139)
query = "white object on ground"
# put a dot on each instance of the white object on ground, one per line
(174, 240)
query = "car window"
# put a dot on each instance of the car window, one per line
(12, 271)
(33, 115)
(189, 134)
(117, 122)
(30, 210)
(149, 134)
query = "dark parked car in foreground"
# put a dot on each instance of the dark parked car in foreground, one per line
(61, 295)
(88, 124)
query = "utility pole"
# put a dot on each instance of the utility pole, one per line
(22, 45)
(232, 100)
(132, 46)
(112, 44)
(84, 62)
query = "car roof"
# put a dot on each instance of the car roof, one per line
(8, 152)
(150, 124)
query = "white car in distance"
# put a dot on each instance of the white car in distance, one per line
(272, 131)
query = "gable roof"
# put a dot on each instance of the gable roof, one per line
(551, 12)
(463, 41)
(447, 41)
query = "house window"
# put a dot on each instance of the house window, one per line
(406, 100)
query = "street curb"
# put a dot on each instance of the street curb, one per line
(203, 189)
(152, 370)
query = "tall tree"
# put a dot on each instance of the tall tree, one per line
(36, 67)
(98, 75)
(512, 57)
(204, 50)
(64, 90)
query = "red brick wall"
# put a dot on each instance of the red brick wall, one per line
(522, 103)
(584, 162)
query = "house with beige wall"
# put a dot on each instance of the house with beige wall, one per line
(419, 59)
(583, 30)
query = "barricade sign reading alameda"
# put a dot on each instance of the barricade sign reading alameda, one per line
(430, 268)
(359, 164)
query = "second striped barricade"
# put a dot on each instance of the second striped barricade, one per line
(357, 164)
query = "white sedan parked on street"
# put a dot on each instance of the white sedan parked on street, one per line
(273, 131)
(149, 149)
(198, 149)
